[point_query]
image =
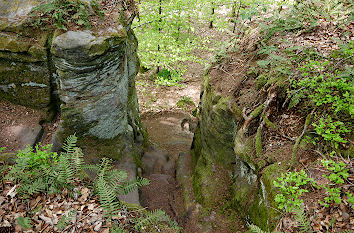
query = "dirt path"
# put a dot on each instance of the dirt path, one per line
(168, 140)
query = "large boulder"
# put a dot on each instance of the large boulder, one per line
(225, 172)
(95, 75)
(91, 72)
(24, 75)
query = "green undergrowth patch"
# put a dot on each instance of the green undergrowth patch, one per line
(316, 84)
(40, 171)
(61, 13)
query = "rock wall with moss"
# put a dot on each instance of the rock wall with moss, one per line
(89, 73)
(25, 77)
(226, 172)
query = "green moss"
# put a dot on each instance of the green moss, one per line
(211, 182)
(244, 148)
(255, 113)
(99, 48)
(272, 217)
(258, 143)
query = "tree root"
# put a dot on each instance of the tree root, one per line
(264, 112)
(308, 122)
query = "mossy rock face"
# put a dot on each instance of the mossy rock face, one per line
(212, 149)
(25, 83)
(96, 80)
(225, 166)
(24, 75)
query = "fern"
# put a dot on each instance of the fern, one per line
(70, 144)
(131, 185)
(24, 222)
(66, 219)
(116, 229)
(150, 218)
(255, 229)
(302, 220)
(32, 188)
(108, 196)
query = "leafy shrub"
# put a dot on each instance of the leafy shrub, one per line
(292, 187)
(44, 171)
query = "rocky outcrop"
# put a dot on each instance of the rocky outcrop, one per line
(24, 75)
(92, 72)
(226, 173)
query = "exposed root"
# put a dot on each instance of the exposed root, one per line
(272, 94)
(308, 122)
(264, 112)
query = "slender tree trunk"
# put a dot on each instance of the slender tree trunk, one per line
(212, 14)
(236, 15)
(160, 29)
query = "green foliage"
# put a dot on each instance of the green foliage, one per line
(44, 171)
(61, 12)
(331, 131)
(255, 229)
(24, 222)
(184, 102)
(323, 86)
(350, 198)
(66, 219)
(166, 77)
(338, 175)
(337, 169)
(152, 218)
(292, 187)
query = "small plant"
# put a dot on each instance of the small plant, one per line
(292, 189)
(338, 171)
(184, 102)
(338, 175)
(166, 77)
(61, 12)
(44, 171)
(24, 222)
(331, 131)
(66, 219)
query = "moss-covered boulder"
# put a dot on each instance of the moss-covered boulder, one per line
(91, 71)
(226, 171)
(95, 75)
(24, 75)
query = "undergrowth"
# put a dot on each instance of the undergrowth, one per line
(41, 171)
(63, 12)
(319, 87)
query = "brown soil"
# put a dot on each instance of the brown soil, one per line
(11, 117)
(165, 132)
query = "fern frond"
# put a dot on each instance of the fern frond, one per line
(77, 159)
(302, 220)
(24, 222)
(255, 229)
(31, 188)
(90, 167)
(150, 218)
(66, 219)
(116, 229)
(133, 184)
(108, 196)
(66, 173)
(70, 144)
